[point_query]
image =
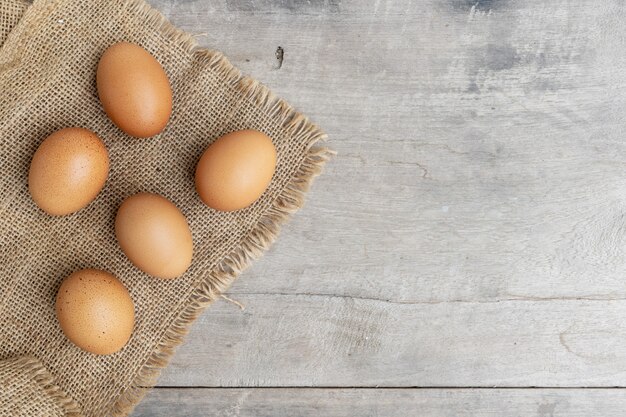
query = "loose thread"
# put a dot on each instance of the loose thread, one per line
(235, 302)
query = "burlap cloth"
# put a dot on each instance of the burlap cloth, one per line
(47, 82)
(28, 389)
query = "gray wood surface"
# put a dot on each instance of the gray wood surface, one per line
(389, 403)
(469, 233)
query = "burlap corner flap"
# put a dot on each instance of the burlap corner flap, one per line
(47, 82)
(27, 389)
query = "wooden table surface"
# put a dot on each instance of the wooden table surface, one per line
(464, 253)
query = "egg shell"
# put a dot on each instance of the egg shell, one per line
(95, 311)
(235, 170)
(134, 90)
(154, 235)
(68, 171)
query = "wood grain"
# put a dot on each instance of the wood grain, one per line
(470, 231)
(388, 403)
(309, 340)
(479, 154)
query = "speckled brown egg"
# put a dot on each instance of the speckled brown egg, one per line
(68, 171)
(134, 90)
(235, 170)
(95, 311)
(154, 235)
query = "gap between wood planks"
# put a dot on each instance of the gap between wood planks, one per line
(511, 298)
(485, 388)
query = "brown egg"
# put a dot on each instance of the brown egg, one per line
(154, 235)
(134, 90)
(68, 171)
(235, 170)
(95, 311)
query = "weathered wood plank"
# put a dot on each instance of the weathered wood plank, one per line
(309, 340)
(383, 403)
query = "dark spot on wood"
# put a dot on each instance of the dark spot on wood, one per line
(473, 88)
(478, 4)
(500, 57)
(292, 6)
(280, 55)
(490, 58)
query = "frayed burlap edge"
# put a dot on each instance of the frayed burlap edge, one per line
(33, 367)
(264, 232)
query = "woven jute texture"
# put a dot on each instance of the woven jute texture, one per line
(10, 13)
(28, 389)
(47, 82)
